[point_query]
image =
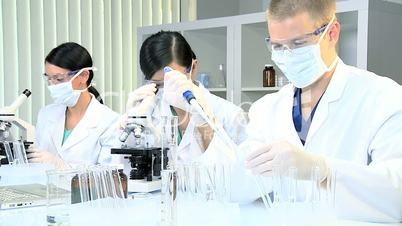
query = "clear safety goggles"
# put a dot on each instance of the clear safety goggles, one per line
(160, 83)
(295, 43)
(64, 77)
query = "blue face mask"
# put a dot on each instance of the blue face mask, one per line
(303, 66)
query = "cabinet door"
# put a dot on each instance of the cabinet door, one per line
(210, 47)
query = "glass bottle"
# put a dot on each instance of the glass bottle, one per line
(123, 179)
(268, 76)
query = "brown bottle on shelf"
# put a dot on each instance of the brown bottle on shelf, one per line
(268, 76)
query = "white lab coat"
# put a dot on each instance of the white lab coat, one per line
(232, 118)
(89, 142)
(358, 126)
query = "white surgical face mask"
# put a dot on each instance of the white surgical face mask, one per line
(303, 66)
(64, 93)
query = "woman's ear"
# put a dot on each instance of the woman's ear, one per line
(84, 76)
(195, 64)
(194, 69)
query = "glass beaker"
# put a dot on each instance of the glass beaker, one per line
(169, 131)
(59, 196)
(169, 198)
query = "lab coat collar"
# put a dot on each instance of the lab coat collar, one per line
(333, 93)
(90, 120)
(338, 82)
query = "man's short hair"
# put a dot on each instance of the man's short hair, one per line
(320, 11)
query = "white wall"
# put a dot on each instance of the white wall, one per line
(385, 36)
(253, 6)
(216, 8)
(212, 8)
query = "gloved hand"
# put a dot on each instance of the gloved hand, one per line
(175, 84)
(36, 155)
(284, 155)
(140, 102)
(135, 97)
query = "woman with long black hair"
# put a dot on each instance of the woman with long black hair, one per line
(77, 128)
(170, 49)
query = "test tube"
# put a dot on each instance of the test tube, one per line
(20, 156)
(315, 185)
(277, 185)
(263, 191)
(331, 188)
(169, 131)
(9, 153)
(83, 179)
(292, 195)
(168, 198)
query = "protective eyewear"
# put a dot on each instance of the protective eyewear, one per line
(64, 77)
(298, 42)
(159, 83)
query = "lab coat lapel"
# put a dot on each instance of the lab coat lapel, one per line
(332, 94)
(81, 131)
(57, 120)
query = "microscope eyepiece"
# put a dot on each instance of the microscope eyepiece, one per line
(27, 92)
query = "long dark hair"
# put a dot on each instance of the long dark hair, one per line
(161, 49)
(72, 56)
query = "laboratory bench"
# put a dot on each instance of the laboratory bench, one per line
(141, 209)
(146, 211)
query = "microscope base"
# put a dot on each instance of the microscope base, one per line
(143, 185)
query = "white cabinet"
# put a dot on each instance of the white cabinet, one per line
(238, 44)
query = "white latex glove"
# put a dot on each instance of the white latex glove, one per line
(175, 84)
(144, 108)
(36, 155)
(140, 102)
(135, 97)
(285, 155)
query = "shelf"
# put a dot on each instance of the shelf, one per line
(217, 89)
(260, 89)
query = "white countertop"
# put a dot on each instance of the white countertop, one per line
(146, 211)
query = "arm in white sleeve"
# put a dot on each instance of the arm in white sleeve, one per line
(243, 185)
(39, 128)
(108, 140)
(236, 126)
(373, 192)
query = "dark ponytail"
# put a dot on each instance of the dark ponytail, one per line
(163, 48)
(72, 56)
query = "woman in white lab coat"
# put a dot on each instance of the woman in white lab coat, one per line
(168, 48)
(77, 128)
(344, 120)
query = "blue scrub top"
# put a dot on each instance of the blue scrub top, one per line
(302, 126)
(67, 133)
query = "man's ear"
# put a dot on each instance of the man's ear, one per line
(334, 32)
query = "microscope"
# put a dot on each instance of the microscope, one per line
(141, 145)
(7, 119)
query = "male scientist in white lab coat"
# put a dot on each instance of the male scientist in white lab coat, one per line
(334, 116)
